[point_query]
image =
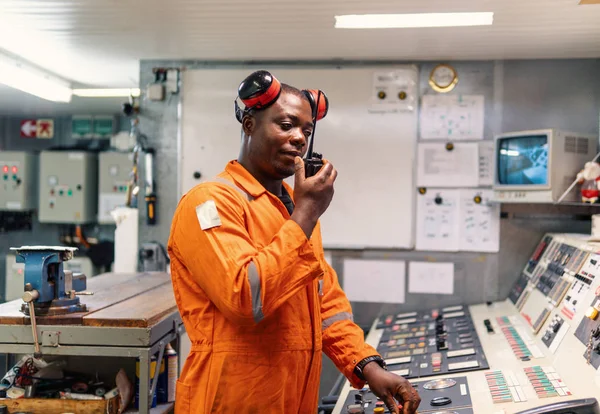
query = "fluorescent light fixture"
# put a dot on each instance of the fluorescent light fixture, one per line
(19, 75)
(389, 21)
(107, 93)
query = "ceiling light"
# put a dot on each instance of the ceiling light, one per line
(387, 21)
(19, 75)
(107, 93)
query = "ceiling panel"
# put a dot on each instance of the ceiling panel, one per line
(100, 42)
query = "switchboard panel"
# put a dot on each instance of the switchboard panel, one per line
(427, 343)
(18, 181)
(115, 170)
(538, 349)
(68, 187)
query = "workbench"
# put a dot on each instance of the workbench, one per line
(128, 315)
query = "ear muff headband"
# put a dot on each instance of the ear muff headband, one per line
(263, 97)
(314, 96)
(259, 90)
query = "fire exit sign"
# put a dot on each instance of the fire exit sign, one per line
(92, 127)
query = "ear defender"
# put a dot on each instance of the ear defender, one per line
(317, 98)
(258, 91)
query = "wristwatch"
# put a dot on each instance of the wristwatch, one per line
(358, 369)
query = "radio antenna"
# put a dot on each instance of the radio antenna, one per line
(309, 153)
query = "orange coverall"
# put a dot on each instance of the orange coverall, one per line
(258, 300)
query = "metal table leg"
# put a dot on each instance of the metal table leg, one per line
(144, 401)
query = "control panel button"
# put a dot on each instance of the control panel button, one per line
(591, 313)
(439, 401)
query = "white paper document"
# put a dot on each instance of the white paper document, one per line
(439, 167)
(381, 281)
(393, 91)
(479, 222)
(438, 215)
(457, 220)
(433, 278)
(452, 117)
(126, 239)
(486, 163)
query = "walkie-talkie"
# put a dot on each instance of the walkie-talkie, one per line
(314, 161)
(313, 165)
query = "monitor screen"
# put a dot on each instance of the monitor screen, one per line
(523, 160)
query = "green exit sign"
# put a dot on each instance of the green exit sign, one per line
(81, 127)
(92, 127)
(104, 126)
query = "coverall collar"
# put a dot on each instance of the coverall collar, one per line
(247, 181)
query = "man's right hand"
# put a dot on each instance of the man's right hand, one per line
(312, 195)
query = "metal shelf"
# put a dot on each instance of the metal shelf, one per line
(550, 209)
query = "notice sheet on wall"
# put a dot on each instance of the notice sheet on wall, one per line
(380, 281)
(457, 220)
(452, 117)
(438, 215)
(439, 167)
(393, 91)
(479, 222)
(432, 278)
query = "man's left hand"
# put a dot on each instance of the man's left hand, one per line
(391, 388)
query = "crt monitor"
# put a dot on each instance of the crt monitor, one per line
(539, 165)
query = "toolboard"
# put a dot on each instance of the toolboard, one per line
(537, 348)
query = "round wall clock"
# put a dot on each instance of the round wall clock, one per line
(443, 78)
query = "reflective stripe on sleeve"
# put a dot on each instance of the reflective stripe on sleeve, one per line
(342, 316)
(255, 290)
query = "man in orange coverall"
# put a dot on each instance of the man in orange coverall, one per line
(259, 301)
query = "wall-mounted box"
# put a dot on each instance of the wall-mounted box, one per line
(18, 181)
(68, 187)
(114, 173)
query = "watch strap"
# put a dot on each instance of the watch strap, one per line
(358, 370)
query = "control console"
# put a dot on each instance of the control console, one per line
(432, 342)
(448, 395)
(588, 331)
(536, 352)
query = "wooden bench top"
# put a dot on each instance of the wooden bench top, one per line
(119, 300)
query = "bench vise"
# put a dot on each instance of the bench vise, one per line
(51, 289)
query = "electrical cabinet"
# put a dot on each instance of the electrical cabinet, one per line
(68, 187)
(114, 174)
(17, 181)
